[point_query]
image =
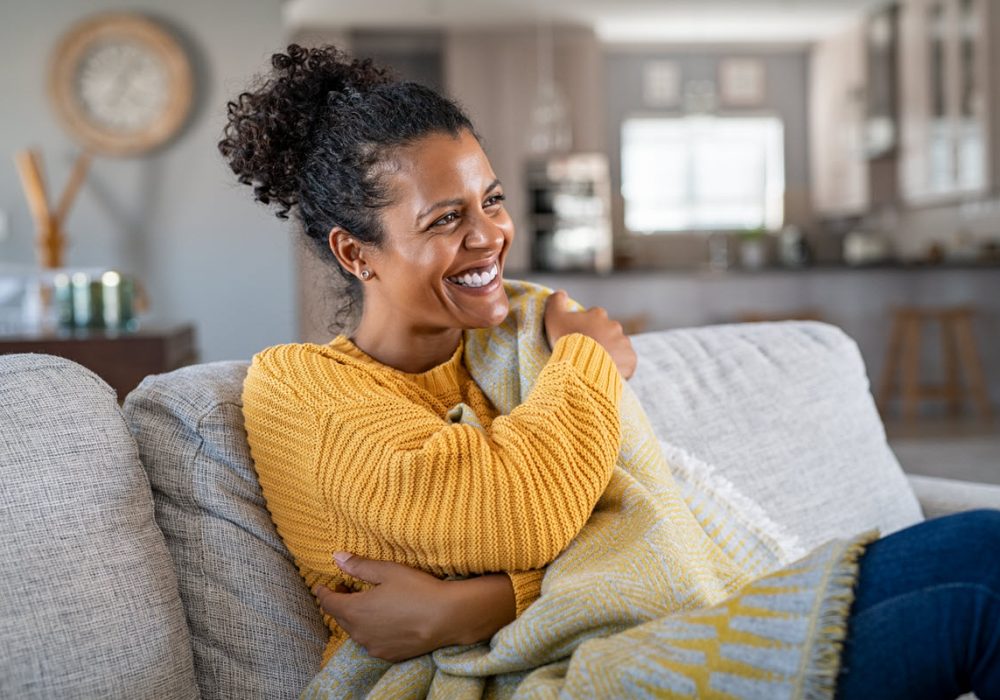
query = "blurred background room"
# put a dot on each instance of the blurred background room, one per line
(678, 162)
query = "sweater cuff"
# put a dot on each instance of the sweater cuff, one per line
(593, 361)
(527, 588)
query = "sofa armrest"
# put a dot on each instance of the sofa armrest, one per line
(945, 496)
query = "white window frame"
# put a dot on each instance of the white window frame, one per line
(691, 211)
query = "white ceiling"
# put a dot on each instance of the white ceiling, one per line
(615, 21)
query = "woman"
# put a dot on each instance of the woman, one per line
(355, 442)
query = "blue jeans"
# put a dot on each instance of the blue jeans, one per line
(925, 622)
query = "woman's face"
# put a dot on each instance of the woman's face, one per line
(446, 236)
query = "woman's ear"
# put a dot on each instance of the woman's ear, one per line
(350, 253)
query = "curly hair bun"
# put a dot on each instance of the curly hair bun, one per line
(269, 131)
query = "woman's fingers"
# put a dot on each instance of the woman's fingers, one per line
(343, 605)
(558, 299)
(370, 570)
(561, 320)
(330, 601)
(406, 613)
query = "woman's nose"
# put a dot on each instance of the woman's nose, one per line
(484, 234)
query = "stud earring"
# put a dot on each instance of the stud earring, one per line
(365, 274)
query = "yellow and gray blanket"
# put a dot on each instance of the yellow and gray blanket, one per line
(662, 594)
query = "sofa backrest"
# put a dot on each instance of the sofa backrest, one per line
(781, 410)
(89, 606)
(255, 630)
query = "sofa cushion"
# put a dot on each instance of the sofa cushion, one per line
(784, 411)
(256, 631)
(89, 606)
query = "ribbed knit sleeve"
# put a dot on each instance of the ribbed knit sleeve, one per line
(406, 485)
(593, 363)
(527, 587)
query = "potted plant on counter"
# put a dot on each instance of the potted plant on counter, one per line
(753, 248)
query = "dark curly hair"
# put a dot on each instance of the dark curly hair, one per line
(317, 135)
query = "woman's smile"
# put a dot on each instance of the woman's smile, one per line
(477, 279)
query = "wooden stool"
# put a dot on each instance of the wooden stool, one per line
(958, 346)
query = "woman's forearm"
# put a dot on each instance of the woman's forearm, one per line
(478, 607)
(409, 612)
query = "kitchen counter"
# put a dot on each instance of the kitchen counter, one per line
(857, 299)
(736, 270)
(691, 297)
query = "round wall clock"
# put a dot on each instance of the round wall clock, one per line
(121, 84)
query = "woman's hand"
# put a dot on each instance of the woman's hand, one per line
(560, 320)
(409, 612)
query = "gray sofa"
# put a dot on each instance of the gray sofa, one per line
(139, 561)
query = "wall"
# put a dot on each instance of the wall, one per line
(786, 95)
(494, 74)
(178, 219)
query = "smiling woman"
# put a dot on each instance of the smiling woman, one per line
(357, 443)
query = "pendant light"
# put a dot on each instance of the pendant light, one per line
(549, 130)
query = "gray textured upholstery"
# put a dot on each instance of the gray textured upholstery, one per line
(946, 496)
(781, 410)
(255, 630)
(89, 606)
(784, 411)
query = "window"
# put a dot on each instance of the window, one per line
(702, 173)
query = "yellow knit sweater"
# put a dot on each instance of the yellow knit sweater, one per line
(359, 457)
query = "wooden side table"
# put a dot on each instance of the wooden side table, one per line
(121, 358)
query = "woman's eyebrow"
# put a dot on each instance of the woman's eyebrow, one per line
(443, 203)
(451, 202)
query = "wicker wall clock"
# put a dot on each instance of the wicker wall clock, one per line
(121, 84)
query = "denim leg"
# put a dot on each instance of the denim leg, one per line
(925, 622)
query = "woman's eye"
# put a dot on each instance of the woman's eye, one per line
(494, 200)
(446, 219)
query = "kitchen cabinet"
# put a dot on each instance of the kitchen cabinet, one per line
(948, 99)
(837, 115)
(881, 76)
(854, 127)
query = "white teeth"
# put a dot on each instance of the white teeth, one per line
(476, 279)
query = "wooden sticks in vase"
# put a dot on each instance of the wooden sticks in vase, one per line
(49, 223)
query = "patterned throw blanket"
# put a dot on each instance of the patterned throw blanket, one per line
(664, 593)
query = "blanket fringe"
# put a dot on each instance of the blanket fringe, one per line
(783, 545)
(823, 662)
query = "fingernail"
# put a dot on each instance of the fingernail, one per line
(315, 590)
(341, 557)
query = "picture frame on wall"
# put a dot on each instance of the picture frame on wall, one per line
(661, 84)
(742, 82)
